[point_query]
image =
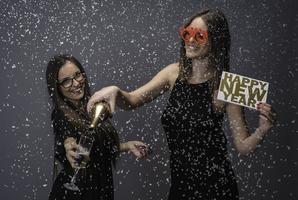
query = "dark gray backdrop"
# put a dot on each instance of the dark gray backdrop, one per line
(126, 43)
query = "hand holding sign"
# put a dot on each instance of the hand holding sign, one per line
(267, 116)
(250, 93)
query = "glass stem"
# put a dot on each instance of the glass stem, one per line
(75, 174)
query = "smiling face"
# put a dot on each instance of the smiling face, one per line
(193, 48)
(68, 73)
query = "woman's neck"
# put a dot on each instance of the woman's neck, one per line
(201, 71)
(75, 103)
(79, 107)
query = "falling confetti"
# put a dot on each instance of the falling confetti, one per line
(125, 43)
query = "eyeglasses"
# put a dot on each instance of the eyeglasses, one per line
(199, 35)
(67, 82)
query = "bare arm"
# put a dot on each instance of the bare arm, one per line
(157, 86)
(160, 83)
(243, 140)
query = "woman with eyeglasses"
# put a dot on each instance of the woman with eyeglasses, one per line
(193, 117)
(69, 91)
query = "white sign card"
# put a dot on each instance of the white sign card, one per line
(242, 90)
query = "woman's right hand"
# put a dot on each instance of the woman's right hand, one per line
(70, 146)
(107, 94)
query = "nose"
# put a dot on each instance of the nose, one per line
(191, 40)
(75, 82)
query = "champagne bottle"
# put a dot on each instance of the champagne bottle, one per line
(100, 112)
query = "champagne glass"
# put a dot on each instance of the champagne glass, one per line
(83, 149)
(100, 112)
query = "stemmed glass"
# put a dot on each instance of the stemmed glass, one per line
(83, 149)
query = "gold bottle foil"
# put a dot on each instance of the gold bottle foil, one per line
(100, 112)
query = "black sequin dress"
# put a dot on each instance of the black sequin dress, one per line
(199, 165)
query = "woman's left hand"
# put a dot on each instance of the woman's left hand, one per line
(139, 149)
(267, 116)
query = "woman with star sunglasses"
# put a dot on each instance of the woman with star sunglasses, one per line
(193, 117)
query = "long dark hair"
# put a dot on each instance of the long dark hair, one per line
(218, 32)
(59, 102)
(76, 114)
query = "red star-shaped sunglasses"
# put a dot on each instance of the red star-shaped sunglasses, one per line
(199, 35)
